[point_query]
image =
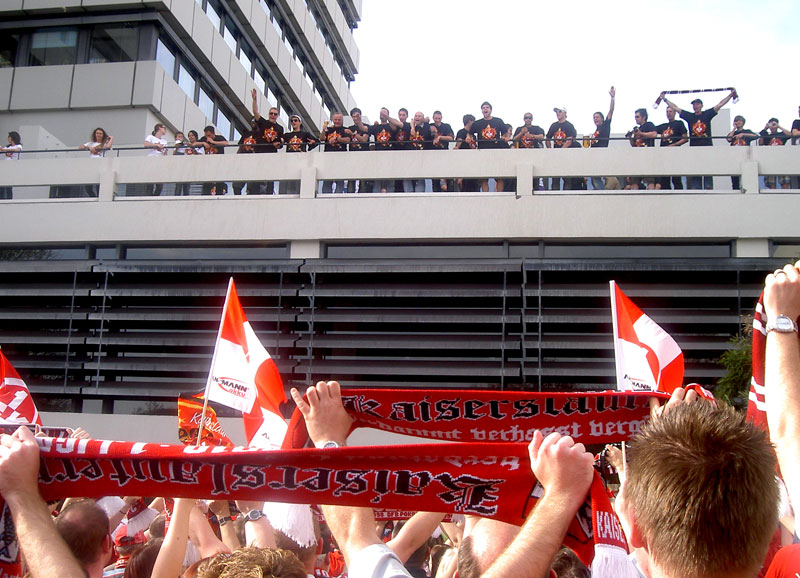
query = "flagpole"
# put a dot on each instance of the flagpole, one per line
(213, 359)
(615, 332)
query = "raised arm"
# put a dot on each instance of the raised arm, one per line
(254, 106)
(564, 469)
(173, 550)
(46, 553)
(724, 101)
(671, 104)
(613, 93)
(414, 534)
(782, 375)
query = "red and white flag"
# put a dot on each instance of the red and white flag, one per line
(244, 376)
(16, 403)
(647, 357)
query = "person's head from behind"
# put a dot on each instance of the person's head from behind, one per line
(272, 562)
(483, 545)
(84, 527)
(468, 120)
(306, 554)
(209, 131)
(700, 494)
(142, 561)
(566, 564)
(14, 138)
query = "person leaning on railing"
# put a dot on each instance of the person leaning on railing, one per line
(11, 152)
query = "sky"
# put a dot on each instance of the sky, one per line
(532, 55)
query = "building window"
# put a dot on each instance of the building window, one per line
(205, 103)
(186, 81)
(245, 60)
(213, 15)
(8, 49)
(166, 58)
(229, 34)
(54, 46)
(236, 135)
(277, 26)
(260, 82)
(114, 43)
(223, 124)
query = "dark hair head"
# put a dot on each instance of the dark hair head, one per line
(486, 103)
(158, 126)
(773, 119)
(404, 109)
(566, 564)
(739, 117)
(716, 472)
(642, 112)
(355, 110)
(210, 128)
(602, 116)
(157, 526)
(468, 565)
(84, 526)
(468, 118)
(101, 129)
(142, 561)
(192, 132)
(15, 138)
(439, 112)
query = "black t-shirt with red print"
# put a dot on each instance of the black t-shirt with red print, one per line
(488, 133)
(267, 133)
(559, 132)
(645, 142)
(443, 129)
(600, 137)
(332, 137)
(420, 137)
(671, 132)
(215, 149)
(401, 135)
(773, 139)
(384, 135)
(699, 127)
(299, 141)
(747, 137)
(527, 141)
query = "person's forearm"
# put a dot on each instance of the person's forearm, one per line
(414, 534)
(352, 527)
(533, 549)
(173, 550)
(228, 533)
(45, 552)
(203, 536)
(782, 383)
(259, 533)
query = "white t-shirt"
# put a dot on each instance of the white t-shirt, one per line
(100, 148)
(376, 561)
(155, 140)
(12, 152)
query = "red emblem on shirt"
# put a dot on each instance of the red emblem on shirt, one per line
(559, 136)
(489, 133)
(775, 142)
(416, 136)
(667, 132)
(383, 136)
(270, 134)
(295, 144)
(333, 137)
(699, 128)
(248, 143)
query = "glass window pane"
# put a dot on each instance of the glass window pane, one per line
(236, 135)
(271, 97)
(245, 60)
(213, 16)
(223, 124)
(230, 37)
(284, 116)
(166, 58)
(277, 26)
(206, 103)
(260, 83)
(8, 49)
(54, 46)
(288, 45)
(186, 81)
(114, 43)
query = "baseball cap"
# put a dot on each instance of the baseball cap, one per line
(560, 108)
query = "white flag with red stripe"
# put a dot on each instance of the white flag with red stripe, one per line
(244, 376)
(16, 403)
(647, 357)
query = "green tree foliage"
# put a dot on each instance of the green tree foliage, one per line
(738, 361)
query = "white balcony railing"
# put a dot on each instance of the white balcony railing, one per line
(752, 212)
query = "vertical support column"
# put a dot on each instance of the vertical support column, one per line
(108, 180)
(308, 182)
(750, 177)
(524, 180)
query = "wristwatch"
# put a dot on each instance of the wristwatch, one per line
(223, 520)
(782, 324)
(253, 515)
(329, 444)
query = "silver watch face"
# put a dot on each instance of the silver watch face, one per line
(330, 445)
(783, 324)
(253, 515)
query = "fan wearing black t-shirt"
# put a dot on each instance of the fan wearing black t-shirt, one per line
(297, 141)
(442, 134)
(739, 137)
(214, 145)
(774, 135)
(420, 139)
(561, 135)
(643, 135)
(673, 134)
(602, 134)
(465, 142)
(336, 140)
(529, 135)
(488, 131)
(699, 123)
(359, 142)
(385, 134)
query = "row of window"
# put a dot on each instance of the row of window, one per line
(246, 55)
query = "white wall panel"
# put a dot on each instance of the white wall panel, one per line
(148, 84)
(41, 87)
(102, 85)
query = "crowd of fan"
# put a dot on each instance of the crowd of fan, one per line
(699, 497)
(267, 135)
